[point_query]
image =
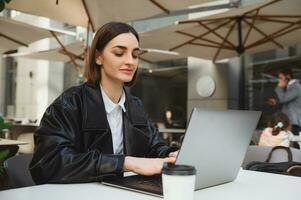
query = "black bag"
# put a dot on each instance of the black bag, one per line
(288, 168)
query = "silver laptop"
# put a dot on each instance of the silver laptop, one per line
(215, 143)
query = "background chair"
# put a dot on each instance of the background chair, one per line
(26, 148)
(17, 168)
(260, 153)
(256, 137)
(6, 151)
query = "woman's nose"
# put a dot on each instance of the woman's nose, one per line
(130, 59)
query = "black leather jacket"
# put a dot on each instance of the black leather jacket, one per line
(74, 144)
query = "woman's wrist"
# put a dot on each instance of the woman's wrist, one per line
(128, 162)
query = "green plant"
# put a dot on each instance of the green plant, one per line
(2, 4)
(4, 125)
(5, 153)
(3, 156)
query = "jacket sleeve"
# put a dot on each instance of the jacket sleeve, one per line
(58, 157)
(286, 96)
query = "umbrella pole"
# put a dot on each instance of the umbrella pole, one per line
(240, 50)
(13, 40)
(241, 87)
(72, 59)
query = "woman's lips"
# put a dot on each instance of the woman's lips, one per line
(127, 71)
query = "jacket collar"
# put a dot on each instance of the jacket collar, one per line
(94, 114)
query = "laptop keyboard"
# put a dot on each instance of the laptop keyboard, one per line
(149, 184)
(154, 181)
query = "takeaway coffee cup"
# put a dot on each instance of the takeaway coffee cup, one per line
(178, 182)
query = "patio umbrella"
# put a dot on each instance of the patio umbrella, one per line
(76, 49)
(156, 55)
(74, 53)
(68, 11)
(101, 12)
(256, 28)
(79, 12)
(14, 34)
(260, 27)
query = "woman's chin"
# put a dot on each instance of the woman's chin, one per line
(126, 79)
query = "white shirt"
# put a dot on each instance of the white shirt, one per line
(114, 116)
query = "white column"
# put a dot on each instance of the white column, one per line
(2, 86)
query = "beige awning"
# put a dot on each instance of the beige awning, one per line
(263, 26)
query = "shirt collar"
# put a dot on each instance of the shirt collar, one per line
(291, 82)
(109, 104)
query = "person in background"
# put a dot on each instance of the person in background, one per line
(277, 132)
(168, 119)
(289, 97)
(98, 129)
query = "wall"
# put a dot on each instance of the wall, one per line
(219, 72)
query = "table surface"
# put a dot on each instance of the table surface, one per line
(171, 130)
(249, 185)
(11, 142)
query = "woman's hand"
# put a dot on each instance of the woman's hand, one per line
(146, 166)
(173, 154)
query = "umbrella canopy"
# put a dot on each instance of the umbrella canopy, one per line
(76, 51)
(78, 12)
(256, 28)
(104, 11)
(14, 34)
(68, 11)
(155, 55)
(57, 54)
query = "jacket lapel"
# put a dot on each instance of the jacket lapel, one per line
(135, 126)
(94, 113)
(95, 119)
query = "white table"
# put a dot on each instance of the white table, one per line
(7, 142)
(249, 185)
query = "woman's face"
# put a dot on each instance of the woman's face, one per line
(119, 59)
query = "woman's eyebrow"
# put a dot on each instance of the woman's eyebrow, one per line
(120, 47)
(125, 48)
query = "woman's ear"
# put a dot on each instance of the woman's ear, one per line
(98, 58)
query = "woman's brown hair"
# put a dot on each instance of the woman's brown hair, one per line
(279, 122)
(102, 37)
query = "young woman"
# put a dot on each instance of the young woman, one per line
(278, 131)
(98, 129)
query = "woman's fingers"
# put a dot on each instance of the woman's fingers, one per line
(170, 159)
(173, 154)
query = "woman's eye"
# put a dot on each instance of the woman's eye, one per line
(135, 55)
(119, 54)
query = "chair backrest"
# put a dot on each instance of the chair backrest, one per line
(260, 153)
(256, 136)
(26, 148)
(17, 168)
